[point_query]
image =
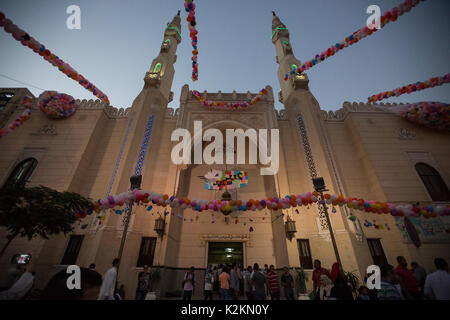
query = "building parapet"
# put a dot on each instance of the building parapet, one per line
(172, 114)
(347, 107)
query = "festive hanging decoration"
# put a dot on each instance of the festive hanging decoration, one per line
(356, 36)
(274, 203)
(413, 87)
(27, 102)
(57, 105)
(369, 224)
(40, 49)
(223, 105)
(228, 180)
(189, 6)
(434, 115)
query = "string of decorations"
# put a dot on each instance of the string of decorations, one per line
(389, 16)
(27, 102)
(57, 105)
(229, 105)
(289, 201)
(434, 115)
(412, 87)
(26, 40)
(189, 6)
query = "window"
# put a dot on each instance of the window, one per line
(22, 172)
(304, 250)
(377, 252)
(433, 182)
(147, 252)
(72, 250)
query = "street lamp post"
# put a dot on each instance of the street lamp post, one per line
(319, 186)
(135, 182)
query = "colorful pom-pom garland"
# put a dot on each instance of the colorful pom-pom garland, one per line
(27, 102)
(356, 36)
(189, 6)
(39, 48)
(434, 115)
(413, 87)
(223, 105)
(289, 201)
(57, 105)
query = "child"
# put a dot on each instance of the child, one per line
(363, 293)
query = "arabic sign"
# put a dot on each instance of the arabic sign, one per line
(225, 180)
(436, 230)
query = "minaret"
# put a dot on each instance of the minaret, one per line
(287, 61)
(161, 73)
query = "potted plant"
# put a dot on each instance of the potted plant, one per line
(353, 280)
(300, 281)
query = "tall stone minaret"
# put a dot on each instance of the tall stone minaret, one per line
(161, 73)
(309, 148)
(148, 111)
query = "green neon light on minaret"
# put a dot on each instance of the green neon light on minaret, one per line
(276, 31)
(157, 67)
(174, 28)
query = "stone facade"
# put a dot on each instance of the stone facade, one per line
(360, 150)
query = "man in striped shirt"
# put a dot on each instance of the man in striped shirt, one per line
(388, 291)
(272, 284)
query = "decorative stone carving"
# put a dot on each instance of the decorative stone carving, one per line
(48, 129)
(225, 237)
(300, 81)
(152, 79)
(406, 134)
(282, 115)
(165, 47)
(171, 96)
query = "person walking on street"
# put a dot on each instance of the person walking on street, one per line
(388, 291)
(188, 284)
(209, 281)
(419, 274)
(272, 284)
(437, 284)
(287, 282)
(247, 285)
(109, 282)
(224, 280)
(410, 290)
(258, 280)
(341, 288)
(234, 282)
(318, 271)
(143, 285)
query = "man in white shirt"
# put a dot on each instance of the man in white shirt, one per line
(437, 284)
(109, 282)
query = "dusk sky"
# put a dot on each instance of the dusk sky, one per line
(119, 39)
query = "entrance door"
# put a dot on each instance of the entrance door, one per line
(225, 253)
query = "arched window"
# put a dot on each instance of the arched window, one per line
(157, 67)
(22, 172)
(434, 183)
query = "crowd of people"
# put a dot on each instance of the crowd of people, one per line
(232, 282)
